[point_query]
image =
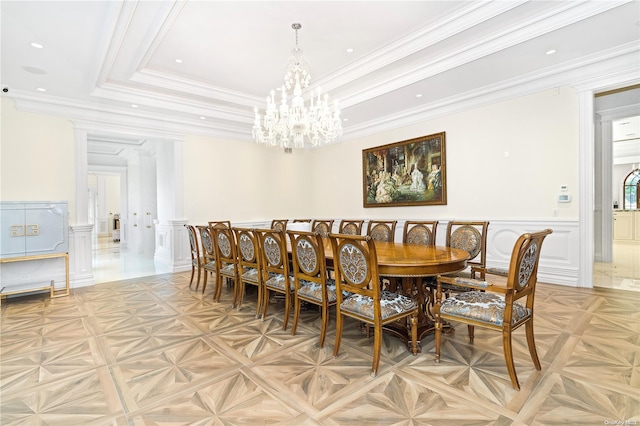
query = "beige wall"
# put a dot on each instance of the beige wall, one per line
(243, 182)
(37, 158)
(539, 131)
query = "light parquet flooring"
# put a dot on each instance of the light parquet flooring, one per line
(151, 351)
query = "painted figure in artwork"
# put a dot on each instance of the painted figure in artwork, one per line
(417, 179)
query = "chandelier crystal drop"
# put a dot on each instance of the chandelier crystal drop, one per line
(292, 124)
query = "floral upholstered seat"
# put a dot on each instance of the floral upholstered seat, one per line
(482, 306)
(390, 303)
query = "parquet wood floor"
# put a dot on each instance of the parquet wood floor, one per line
(151, 351)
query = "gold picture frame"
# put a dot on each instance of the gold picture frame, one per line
(407, 173)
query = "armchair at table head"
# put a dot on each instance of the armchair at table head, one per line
(275, 267)
(420, 232)
(323, 227)
(249, 266)
(382, 230)
(226, 258)
(352, 227)
(196, 258)
(311, 283)
(356, 266)
(497, 308)
(208, 254)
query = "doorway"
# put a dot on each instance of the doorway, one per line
(616, 263)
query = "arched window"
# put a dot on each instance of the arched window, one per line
(631, 191)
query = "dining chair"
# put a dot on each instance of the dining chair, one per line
(226, 259)
(196, 258)
(324, 227)
(279, 224)
(249, 266)
(275, 268)
(472, 238)
(220, 224)
(356, 267)
(382, 230)
(311, 283)
(208, 254)
(352, 227)
(420, 232)
(498, 308)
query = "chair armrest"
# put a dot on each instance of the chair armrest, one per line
(501, 272)
(463, 282)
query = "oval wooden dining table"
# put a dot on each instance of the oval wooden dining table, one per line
(411, 263)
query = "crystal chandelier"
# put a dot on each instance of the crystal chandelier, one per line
(290, 125)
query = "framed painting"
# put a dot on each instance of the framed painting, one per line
(407, 173)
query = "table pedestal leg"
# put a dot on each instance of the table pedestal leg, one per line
(418, 290)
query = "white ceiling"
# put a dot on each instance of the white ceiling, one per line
(100, 57)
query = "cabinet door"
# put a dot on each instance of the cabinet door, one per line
(13, 231)
(636, 226)
(623, 226)
(46, 229)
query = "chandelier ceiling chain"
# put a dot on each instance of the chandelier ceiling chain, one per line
(292, 125)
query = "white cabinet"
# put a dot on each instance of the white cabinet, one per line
(34, 246)
(628, 128)
(626, 225)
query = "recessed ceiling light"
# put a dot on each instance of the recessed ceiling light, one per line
(37, 45)
(203, 118)
(134, 106)
(551, 51)
(419, 95)
(345, 119)
(350, 50)
(41, 89)
(179, 60)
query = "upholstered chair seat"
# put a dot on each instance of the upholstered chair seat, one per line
(391, 304)
(251, 274)
(278, 281)
(313, 290)
(484, 307)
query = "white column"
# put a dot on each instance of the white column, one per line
(586, 204)
(172, 250)
(606, 174)
(80, 260)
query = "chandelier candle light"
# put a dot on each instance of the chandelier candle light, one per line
(291, 125)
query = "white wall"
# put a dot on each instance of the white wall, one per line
(245, 183)
(241, 182)
(540, 133)
(37, 158)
